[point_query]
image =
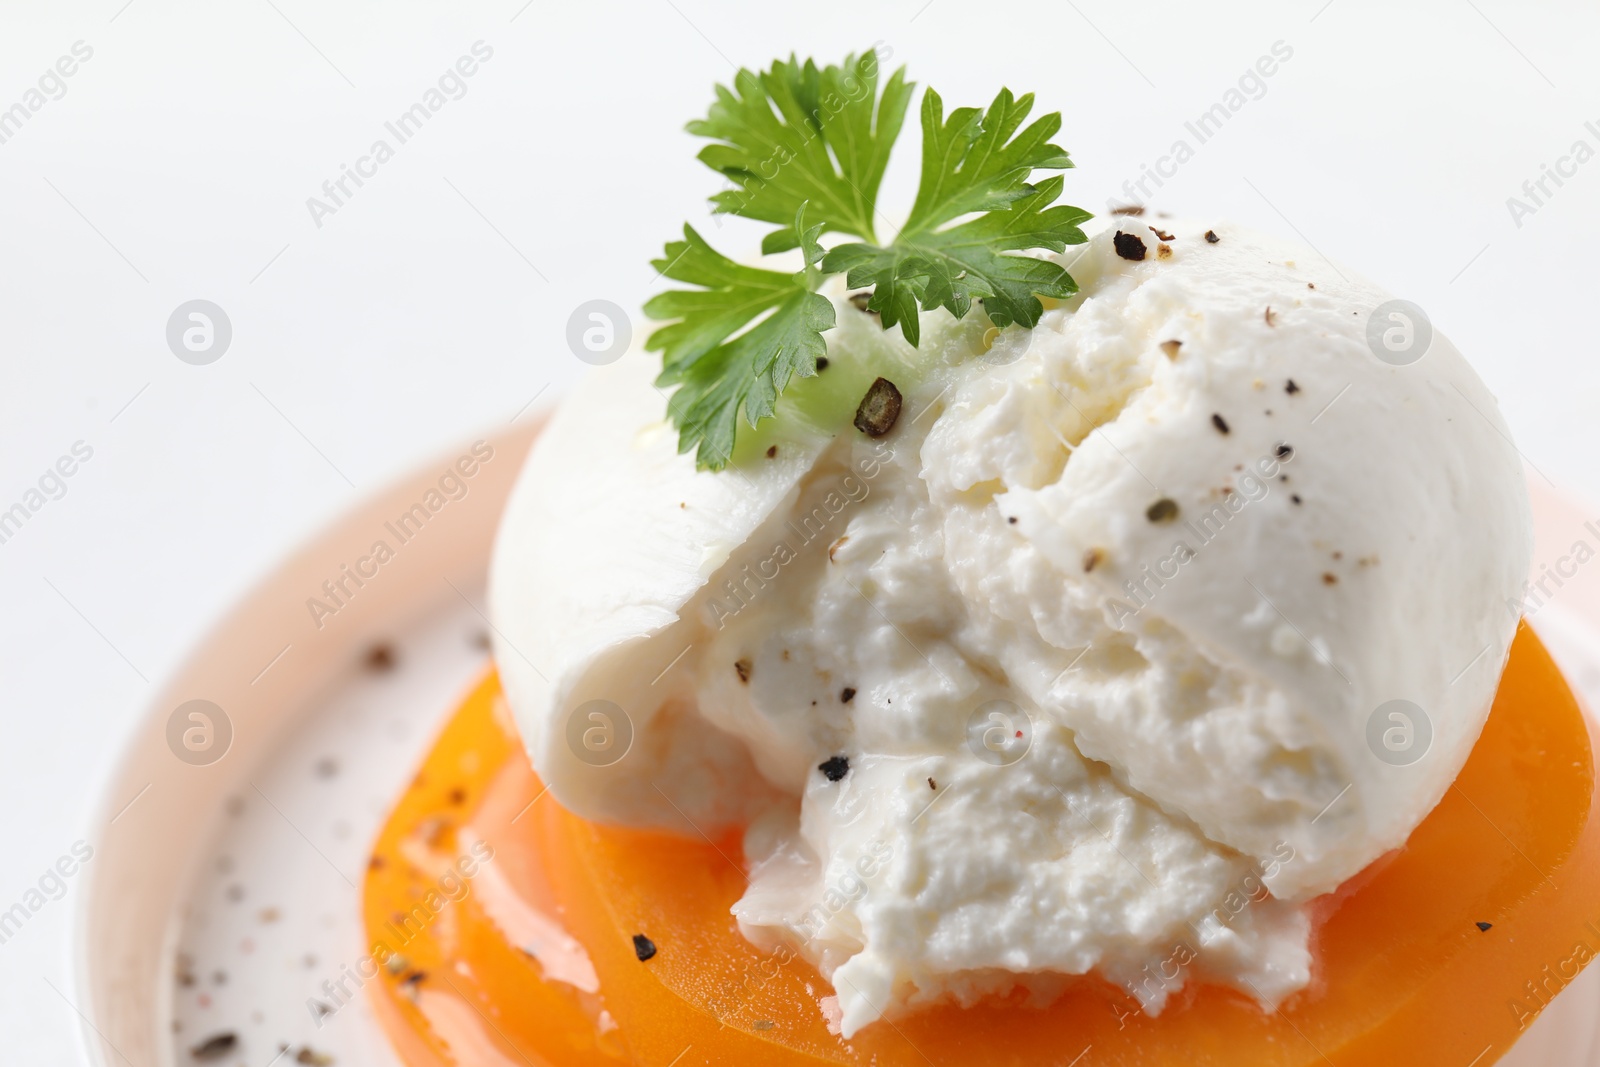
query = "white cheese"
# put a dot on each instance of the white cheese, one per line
(1120, 617)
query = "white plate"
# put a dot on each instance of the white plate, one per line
(267, 823)
(223, 898)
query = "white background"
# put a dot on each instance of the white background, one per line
(434, 303)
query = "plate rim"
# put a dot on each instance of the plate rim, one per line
(458, 546)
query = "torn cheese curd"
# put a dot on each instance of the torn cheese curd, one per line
(1074, 669)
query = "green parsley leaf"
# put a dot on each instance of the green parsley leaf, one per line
(973, 162)
(803, 142)
(947, 268)
(717, 377)
(798, 135)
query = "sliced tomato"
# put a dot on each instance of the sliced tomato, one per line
(1441, 953)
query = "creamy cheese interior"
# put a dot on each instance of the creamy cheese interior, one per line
(897, 618)
(1077, 668)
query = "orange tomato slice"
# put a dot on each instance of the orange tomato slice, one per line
(535, 964)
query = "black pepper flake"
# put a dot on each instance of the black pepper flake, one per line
(742, 668)
(834, 768)
(1012, 519)
(822, 364)
(1291, 388)
(1211, 237)
(1285, 451)
(860, 300)
(1329, 578)
(878, 410)
(1484, 927)
(1128, 246)
(1158, 232)
(1271, 317)
(643, 947)
(1163, 510)
(846, 695)
(380, 658)
(1129, 209)
(1220, 423)
(1295, 497)
(216, 1046)
(933, 785)
(772, 451)
(1092, 559)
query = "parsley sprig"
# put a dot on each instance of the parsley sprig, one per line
(806, 149)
